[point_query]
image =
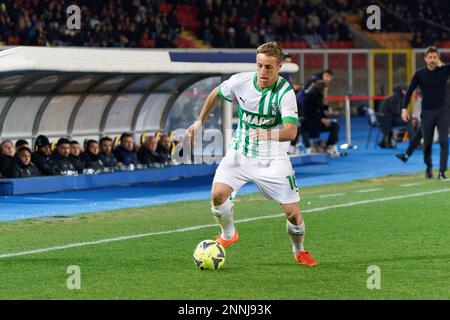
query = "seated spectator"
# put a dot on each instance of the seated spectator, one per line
(42, 154)
(106, 154)
(60, 162)
(6, 160)
(91, 157)
(7, 148)
(22, 167)
(315, 120)
(74, 157)
(165, 149)
(390, 116)
(147, 153)
(126, 152)
(21, 143)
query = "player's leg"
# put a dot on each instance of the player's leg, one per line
(230, 176)
(428, 124)
(442, 125)
(222, 209)
(277, 182)
(295, 227)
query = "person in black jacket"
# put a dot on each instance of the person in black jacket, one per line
(60, 162)
(74, 156)
(91, 157)
(432, 81)
(126, 152)
(147, 154)
(315, 121)
(6, 156)
(106, 154)
(22, 167)
(42, 154)
(165, 149)
(390, 116)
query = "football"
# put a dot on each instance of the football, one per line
(209, 255)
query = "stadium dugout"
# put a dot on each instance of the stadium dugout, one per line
(88, 93)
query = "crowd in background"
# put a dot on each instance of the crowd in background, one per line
(68, 158)
(154, 23)
(245, 24)
(221, 23)
(428, 20)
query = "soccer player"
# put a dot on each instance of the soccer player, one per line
(268, 121)
(432, 81)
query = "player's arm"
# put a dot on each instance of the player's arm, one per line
(411, 88)
(209, 104)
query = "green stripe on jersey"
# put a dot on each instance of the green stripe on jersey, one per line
(290, 120)
(246, 139)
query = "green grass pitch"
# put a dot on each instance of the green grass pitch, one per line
(399, 223)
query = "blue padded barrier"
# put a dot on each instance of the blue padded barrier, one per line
(50, 184)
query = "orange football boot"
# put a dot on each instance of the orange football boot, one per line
(226, 243)
(305, 259)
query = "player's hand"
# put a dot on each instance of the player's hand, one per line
(193, 130)
(260, 134)
(440, 63)
(405, 115)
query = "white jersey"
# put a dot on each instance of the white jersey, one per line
(266, 109)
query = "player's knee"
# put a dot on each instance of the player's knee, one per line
(293, 214)
(218, 196)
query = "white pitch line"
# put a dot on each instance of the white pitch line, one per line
(369, 190)
(332, 195)
(143, 235)
(408, 185)
(51, 199)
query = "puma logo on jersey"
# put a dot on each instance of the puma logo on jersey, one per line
(243, 101)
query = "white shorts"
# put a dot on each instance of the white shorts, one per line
(275, 178)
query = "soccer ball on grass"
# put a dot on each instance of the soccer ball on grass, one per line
(209, 255)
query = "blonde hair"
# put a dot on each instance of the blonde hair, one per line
(271, 49)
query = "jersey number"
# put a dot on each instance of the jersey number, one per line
(292, 182)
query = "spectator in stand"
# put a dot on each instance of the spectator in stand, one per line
(60, 162)
(41, 157)
(165, 149)
(91, 157)
(75, 157)
(22, 167)
(126, 152)
(147, 153)
(106, 154)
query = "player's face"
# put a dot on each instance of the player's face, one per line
(268, 68)
(432, 60)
